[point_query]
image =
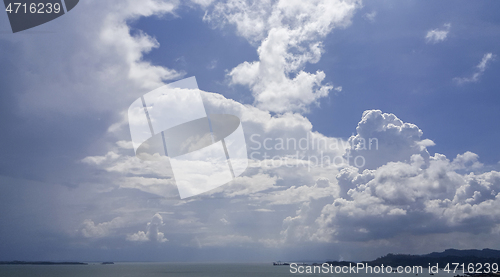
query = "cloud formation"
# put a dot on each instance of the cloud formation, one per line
(383, 137)
(101, 230)
(401, 190)
(438, 34)
(266, 138)
(402, 194)
(415, 197)
(289, 35)
(152, 233)
(105, 68)
(479, 70)
(370, 16)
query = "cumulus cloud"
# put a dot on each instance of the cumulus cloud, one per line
(401, 191)
(479, 70)
(100, 230)
(261, 187)
(152, 233)
(266, 138)
(382, 138)
(439, 34)
(289, 35)
(297, 228)
(414, 197)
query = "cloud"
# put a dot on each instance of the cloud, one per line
(125, 144)
(382, 138)
(159, 186)
(303, 194)
(480, 68)
(415, 197)
(289, 35)
(402, 192)
(223, 241)
(153, 231)
(259, 127)
(247, 185)
(98, 160)
(370, 16)
(100, 230)
(438, 35)
(203, 3)
(104, 68)
(296, 228)
(212, 64)
(400, 189)
(261, 188)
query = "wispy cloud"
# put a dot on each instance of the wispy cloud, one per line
(212, 64)
(439, 34)
(480, 68)
(370, 16)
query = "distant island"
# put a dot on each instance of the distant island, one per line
(40, 263)
(446, 257)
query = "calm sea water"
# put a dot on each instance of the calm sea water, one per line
(167, 269)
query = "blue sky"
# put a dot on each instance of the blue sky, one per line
(419, 76)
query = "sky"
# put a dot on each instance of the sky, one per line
(418, 79)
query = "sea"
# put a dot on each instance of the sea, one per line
(175, 270)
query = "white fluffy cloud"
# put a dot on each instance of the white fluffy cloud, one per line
(297, 228)
(480, 68)
(152, 233)
(383, 138)
(289, 35)
(401, 191)
(412, 197)
(439, 34)
(266, 137)
(103, 229)
(404, 191)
